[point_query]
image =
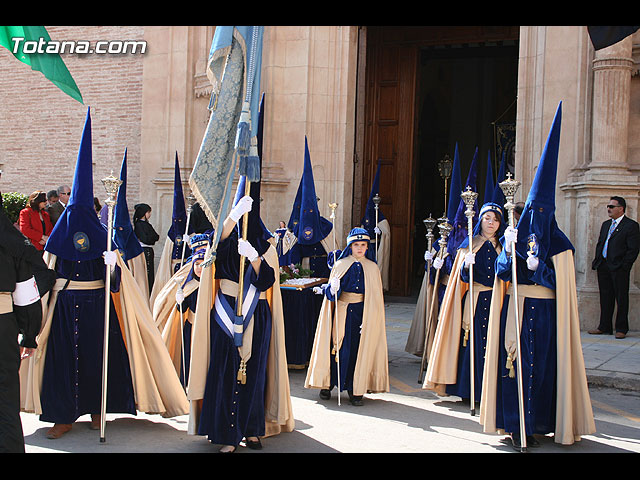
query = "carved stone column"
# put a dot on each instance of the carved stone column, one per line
(611, 93)
(588, 190)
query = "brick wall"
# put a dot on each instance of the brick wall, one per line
(41, 127)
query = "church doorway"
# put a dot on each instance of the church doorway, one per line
(426, 89)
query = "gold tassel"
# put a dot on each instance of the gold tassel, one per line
(512, 372)
(242, 372)
(466, 337)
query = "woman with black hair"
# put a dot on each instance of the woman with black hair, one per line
(147, 236)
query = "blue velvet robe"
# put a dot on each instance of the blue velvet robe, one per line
(72, 377)
(483, 273)
(538, 349)
(188, 304)
(232, 410)
(351, 281)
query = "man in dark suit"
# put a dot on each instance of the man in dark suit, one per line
(616, 250)
(56, 209)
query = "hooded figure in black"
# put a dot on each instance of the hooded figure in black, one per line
(20, 315)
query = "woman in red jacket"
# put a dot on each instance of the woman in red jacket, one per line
(35, 223)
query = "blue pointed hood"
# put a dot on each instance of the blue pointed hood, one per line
(311, 227)
(488, 182)
(179, 215)
(538, 217)
(459, 232)
(369, 219)
(498, 194)
(455, 187)
(123, 236)
(78, 233)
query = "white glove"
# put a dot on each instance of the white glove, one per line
(110, 258)
(185, 238)
(243, 206)
(437, 263)
(532, 262)
(318, 290)
(428, 255)
(377, 230)
(179, 295)
(246, 250)
(510, 235)
(469, 259)
(334, 285)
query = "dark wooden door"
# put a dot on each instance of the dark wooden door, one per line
(389, 138)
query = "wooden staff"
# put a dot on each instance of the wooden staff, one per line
(111, 185)
(469, 198)
(510, 187)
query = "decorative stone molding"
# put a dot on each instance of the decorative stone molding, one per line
(635, 56)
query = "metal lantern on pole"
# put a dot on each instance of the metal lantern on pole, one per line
(376, 202)
(445, 229)
(469, 198)
(430, 224)
(336, 349)
(445, 168)
(111, 185)
(510, 187)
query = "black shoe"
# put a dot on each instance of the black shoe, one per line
(356, 400)
(531, 441)
(325, 394)
(253, 444)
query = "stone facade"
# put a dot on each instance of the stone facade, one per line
(41, 126)
(155, 105)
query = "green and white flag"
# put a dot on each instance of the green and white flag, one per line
(50, 64)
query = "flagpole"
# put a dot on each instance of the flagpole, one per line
(510, 187)
(248, 166)
(242, 377)
(111, 185)
(469, 198)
